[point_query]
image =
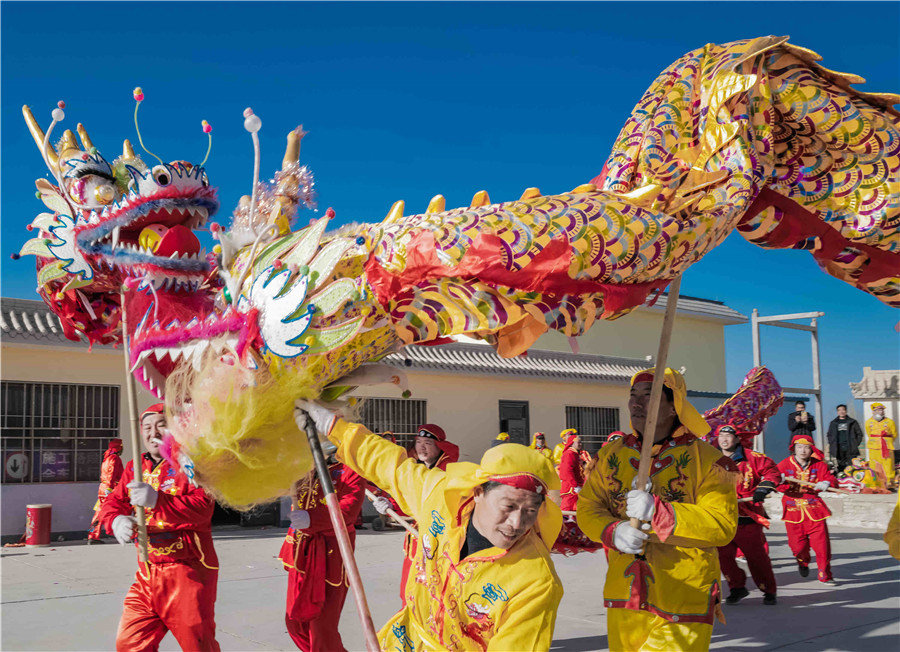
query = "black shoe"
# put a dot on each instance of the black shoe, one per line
(737, 595)
(804, 569)
(769, 598)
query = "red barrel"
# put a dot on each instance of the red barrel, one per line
(37, 525)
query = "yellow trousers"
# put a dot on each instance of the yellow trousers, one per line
(885, 462)
(639, 631)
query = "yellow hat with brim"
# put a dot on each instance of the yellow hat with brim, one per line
(514, 465)
(688, 415)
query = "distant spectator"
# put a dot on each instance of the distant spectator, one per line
(801, 422)
(844, 437)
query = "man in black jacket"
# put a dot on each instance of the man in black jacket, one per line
(801, 422)
(844, 437)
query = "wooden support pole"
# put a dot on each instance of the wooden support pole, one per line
(143, 547)
(394, 515)
(662, 356)
(804, 483)
(306, 424)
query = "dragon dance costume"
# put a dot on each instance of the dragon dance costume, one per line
(176, 590)
(317, 583)
(493, 599)
(571, 475)
(804, 511)
(668, 598)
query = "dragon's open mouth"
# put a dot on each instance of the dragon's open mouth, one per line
(152, 233)
(156, 351)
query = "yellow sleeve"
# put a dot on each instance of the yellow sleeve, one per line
(592, 510)
(385, 464)
(528, 619)
(711, 520)
(892, 534)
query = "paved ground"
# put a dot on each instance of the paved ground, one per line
(70, 597)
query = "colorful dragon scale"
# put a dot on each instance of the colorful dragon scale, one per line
(752, 135)
(758, 399)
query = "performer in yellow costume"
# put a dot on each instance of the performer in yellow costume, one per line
(539, 443)
(667, 597)
(880, 434)
(483, 578)
(561, 446)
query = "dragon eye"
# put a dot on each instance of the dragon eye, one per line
(161, 175)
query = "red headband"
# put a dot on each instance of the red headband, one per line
(521, 481)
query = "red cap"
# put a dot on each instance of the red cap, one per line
(158, 408)
(806, 439)
(115, 444)
(431, 431)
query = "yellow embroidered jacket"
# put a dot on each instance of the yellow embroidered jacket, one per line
(695, 511)
(492, 600)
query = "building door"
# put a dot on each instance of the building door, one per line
(514, 420)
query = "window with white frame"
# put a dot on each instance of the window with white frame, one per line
(55, 432)
(593, 424)
(402, 416)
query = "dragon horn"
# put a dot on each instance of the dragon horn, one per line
(127, 149)
(85, 139)
(68, 146)
(38, 134)
(292, 151)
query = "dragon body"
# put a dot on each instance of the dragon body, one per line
(753, 135)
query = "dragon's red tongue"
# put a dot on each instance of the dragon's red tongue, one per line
(178, 240)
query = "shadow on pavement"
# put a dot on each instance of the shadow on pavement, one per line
(581, 644)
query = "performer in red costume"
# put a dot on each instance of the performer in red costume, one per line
(317, 584)
(176, 590)
(804, 511)
(432, 449)
(571, 473)
(110, 474)
(759, 477)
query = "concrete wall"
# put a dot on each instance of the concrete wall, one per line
(73, 505)
(467, 407)
(697, 344)
(72, 502)
(61, 364)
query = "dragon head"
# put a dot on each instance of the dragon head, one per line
(111, 222)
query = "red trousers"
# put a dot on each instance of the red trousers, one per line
(410, 548)
(806, 534)
(175, 597)
(752, 542)
(321, 633)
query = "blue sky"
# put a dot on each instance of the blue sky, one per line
(408, 100)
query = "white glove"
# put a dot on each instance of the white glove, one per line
(639, 505)
(577, 490)
(142, 494)
(299, 519)
(322, 417)
(822, 486)
(628, 540)
(381, 505)
(124, 528)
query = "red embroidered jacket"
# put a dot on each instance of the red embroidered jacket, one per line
(756, 470)
(571, 473)
(802, 502)
(178, 527)
(314, 550)
(110, 474)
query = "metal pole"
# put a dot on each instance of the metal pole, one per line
(817, 383)
(760, 443)
(754, 325)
